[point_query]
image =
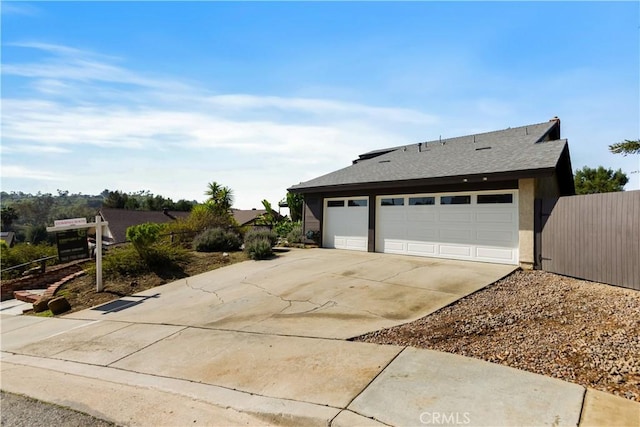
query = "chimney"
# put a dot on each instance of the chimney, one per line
(556, 134)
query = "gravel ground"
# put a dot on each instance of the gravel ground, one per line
(579, 331)
(21, 411)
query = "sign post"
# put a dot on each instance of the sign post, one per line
(72, 242)
(99, 223)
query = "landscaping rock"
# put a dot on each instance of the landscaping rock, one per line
(579, 331)
(59, 305)
(41, 305)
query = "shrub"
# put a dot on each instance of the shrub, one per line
(144, 235)
(283, 228)
(127, 261)
(122, 261)
(216, 240)
(166, 257)
(259, 248)
(201, 218)
(261, 233)
(23, 253)
(296, 235)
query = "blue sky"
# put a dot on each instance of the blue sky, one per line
(168, 96)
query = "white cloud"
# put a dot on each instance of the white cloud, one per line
(17, 171)
(172, 138)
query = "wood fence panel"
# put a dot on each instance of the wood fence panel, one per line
(594, 237)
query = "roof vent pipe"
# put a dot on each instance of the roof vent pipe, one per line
(419, 147)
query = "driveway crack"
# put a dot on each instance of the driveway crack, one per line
(290, 301)
(214, 293)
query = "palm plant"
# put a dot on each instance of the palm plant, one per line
(220, 197)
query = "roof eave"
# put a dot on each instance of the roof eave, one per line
(457, 179)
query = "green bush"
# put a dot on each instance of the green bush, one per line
(202, 217)
(144, 235)
(23, 253)
(261, 233)
(283, 228)
(164, 256)
(122, 261)
(296, 235)
(127, 261)
(216, 240)
(259, 248)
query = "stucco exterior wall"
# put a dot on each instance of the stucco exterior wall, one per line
(526, 198)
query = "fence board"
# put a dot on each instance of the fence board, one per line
(594, 237)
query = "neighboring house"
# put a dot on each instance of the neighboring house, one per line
(9, 237)
(250, 217)
(469, 198)
(121, 219)
(247, 217)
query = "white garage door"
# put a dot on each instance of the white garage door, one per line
(476, 226)
(346, 223)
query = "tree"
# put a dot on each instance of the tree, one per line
(8, 216)
(269, 217)
(626, 147)
(220, 197)
(600, 180)
(295, 202)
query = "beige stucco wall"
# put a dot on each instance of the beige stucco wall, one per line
(526, 197)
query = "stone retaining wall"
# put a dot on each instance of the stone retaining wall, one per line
(39, 280)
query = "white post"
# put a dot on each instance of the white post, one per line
(99, 286)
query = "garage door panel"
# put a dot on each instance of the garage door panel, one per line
(449, 216)
(339, 241)
(357, 243)
(494, 254)
(394, 246)
(392, 216)
(423, 234)
(453, 234)
(396, 231)
(495, 217)
(505, 237)
(456, 251)
(422, 248)
(430, 216)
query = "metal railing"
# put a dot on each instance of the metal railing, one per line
(42, 261)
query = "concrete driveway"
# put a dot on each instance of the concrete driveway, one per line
(263, 343)
(308, 293)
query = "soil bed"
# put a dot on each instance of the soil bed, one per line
(579, 331)
(81, 292)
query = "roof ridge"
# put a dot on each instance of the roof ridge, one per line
(398, 147)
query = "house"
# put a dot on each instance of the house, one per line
(247, 217)
(121, 219)
(8, 237)
(469, 198)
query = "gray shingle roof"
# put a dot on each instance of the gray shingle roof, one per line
(523, 148)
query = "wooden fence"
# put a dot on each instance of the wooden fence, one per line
(594, 237)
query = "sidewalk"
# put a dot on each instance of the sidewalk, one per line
(116, 371)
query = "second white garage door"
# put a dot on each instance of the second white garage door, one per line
(481, 226)
(346, 223)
